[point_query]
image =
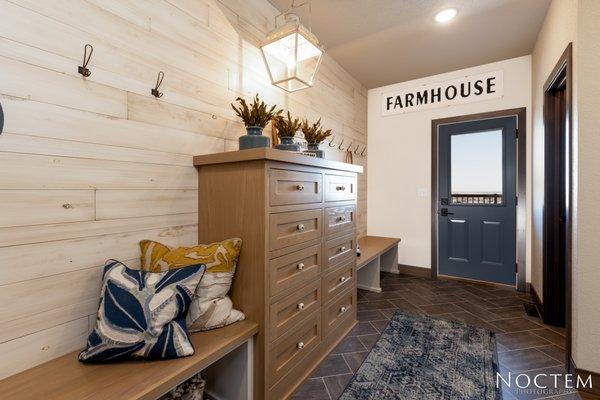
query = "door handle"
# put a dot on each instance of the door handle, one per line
(444, 212)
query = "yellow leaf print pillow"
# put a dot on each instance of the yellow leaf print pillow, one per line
(211, 307)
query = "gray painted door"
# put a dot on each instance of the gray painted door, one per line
(477, 200)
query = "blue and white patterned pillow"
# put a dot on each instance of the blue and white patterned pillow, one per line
(142, 314)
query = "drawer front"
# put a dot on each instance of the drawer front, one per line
(339, 219)
(339, 250)
(286, 313)
(337, 311)
(286, 229)
(292, 270)
(340, 187)
(339, 280)
(294, 187)
(289, 350)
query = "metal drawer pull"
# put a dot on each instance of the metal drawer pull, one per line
(343, 248)
(343, 310)
(300, 345)
(300, 266)
(300, 227)
(300, 187)
(344, 278)
(300, 306)
(340, 188)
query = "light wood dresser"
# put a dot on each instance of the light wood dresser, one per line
(296, 275)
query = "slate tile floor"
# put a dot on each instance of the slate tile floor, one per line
(525, 344)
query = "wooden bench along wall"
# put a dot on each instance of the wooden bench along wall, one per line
(378, 254)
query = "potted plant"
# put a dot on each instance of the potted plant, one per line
(286, 129)
(314, 135)
(255, 116)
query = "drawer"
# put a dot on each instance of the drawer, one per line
(339, 250)
(286, 229)
(294, 187)
(340, 187)
(339, 280)
(339, 219)
(337, 311)
(294, 269)
(289, 350)
(293, 308)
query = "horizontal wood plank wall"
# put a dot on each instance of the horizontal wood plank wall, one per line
(91, 166)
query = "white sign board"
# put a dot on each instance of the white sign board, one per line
(468, 89)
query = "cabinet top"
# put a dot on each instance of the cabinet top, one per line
(266, 153)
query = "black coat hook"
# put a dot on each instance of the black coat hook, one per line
(1, 119)
(349, 148)
(331, 144)
(83, 69)
(159, 79)
(362, 153)
(340, 146)
(356, 149)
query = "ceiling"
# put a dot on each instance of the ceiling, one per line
(382, 42)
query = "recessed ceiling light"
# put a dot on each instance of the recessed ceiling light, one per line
(446, 15)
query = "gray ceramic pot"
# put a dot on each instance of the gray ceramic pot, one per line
(314, 147)
(287, 143)
(254, 138)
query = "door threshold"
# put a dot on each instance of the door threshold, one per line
(467, 280)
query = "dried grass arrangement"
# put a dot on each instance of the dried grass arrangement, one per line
(286, 127)
(314, 133)
(255, 114)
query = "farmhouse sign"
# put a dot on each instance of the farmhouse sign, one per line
(467, 89)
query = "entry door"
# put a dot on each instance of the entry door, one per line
(477, 200)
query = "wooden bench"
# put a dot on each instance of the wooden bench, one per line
(225, 356)
(378, 254)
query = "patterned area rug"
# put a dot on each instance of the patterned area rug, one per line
(422, 358)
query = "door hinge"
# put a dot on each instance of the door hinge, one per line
(516, 200)
(517, 268)
(517, 133)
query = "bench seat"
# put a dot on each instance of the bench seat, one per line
(377, 253)
(66, 378)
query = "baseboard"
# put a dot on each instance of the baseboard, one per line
(584, 375)
(536, 300)
(369, 288)
(412, 270)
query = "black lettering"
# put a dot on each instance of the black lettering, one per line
(434, 95)
(455, 91)
(478, 87)
(389, 102)
(490, 85)
(462, 89)
(422, 97)
(408, 101)
(398, 102)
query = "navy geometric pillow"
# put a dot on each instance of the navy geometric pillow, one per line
(142, 314)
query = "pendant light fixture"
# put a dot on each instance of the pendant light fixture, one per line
(291, 52)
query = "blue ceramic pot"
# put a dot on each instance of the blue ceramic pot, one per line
(314, 147)
(254, 138)
(287, 144)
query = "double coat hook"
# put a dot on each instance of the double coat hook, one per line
(83, 69)
(159, 79)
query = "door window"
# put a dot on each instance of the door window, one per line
(476, 168)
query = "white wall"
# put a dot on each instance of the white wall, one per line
(400, 158)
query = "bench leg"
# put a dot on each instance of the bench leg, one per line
(389, 261)
(231, 377)
(368, 276)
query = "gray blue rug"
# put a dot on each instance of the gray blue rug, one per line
(421, 357)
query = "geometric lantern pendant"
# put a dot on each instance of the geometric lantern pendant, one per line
(292, 55)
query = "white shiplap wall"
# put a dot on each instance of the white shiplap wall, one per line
(88, 167)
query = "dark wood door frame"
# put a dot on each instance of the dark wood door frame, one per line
(520, 114)
(558, 141)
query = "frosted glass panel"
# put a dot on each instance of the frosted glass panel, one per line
(476, 167)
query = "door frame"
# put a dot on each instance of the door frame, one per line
(521, 115)
(562, 72)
